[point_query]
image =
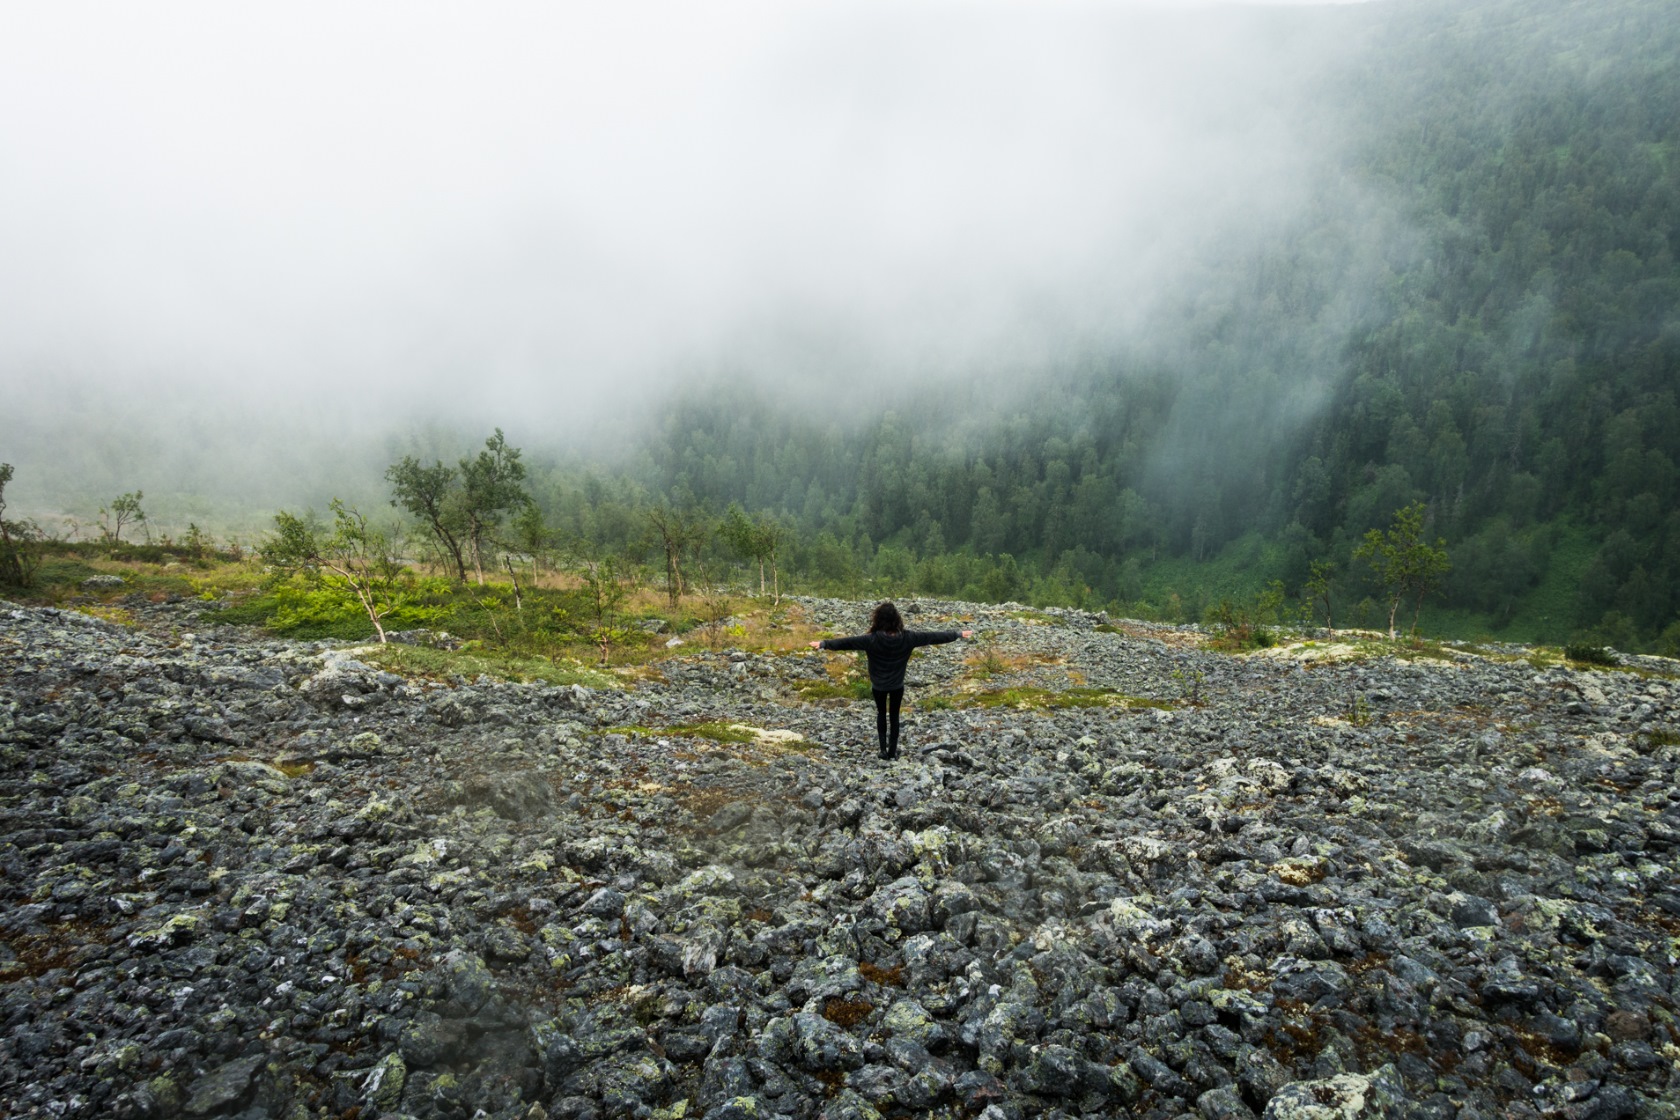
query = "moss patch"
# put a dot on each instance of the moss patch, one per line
(1045, 698)
(715, 730)
(441, 664)
(829, 690)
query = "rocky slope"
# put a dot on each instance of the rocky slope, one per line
(244, 877)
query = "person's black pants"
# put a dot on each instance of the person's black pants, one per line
(886, 718)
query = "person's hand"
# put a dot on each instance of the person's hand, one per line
(968, 633)
(816, 645)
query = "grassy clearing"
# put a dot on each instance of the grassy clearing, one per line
(715, 730)
(829, 690)
(756, 746)
(1042, 699)
(1365, 646)
(1037, 618)
(1547, 613)
(1179, 589)
(150, 571)
(443, 665)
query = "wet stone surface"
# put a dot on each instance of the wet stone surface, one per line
(246, 877)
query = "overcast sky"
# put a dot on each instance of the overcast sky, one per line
(575, 202)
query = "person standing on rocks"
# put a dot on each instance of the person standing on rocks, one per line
(888, 646)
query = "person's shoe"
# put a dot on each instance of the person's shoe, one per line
(883, 754)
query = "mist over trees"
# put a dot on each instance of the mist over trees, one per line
(1476, 314)
(1515, 371)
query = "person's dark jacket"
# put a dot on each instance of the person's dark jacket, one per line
(890, 653)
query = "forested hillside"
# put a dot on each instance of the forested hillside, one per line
(1499, 336)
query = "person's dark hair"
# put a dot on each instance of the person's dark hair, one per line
(886, 620)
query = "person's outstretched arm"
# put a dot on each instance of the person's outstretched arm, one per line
(856, 641)
(936, 637)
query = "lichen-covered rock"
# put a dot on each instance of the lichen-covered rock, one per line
(1348, 1096)
(820, 1045)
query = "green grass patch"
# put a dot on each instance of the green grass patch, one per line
(1045, 698)
(715, 730)
(1547, 613)
(310, 614)
(59, 580)
(63, 572)
(1037, 618)
(253, 610)
(829, 690)
(1631, 670)
(1179, 589)
(109, 614)
(1415, 649)
(442, 664)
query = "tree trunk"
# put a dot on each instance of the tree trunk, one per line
(366, 599)
(673, 577)
(1393, 609)
(518, 599)
(451, 549)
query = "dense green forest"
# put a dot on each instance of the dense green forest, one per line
(1514, 365)
(1483, 316)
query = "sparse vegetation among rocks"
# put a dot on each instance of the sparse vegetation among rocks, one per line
(246, 876)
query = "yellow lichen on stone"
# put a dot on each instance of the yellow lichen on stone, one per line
(1300, 871)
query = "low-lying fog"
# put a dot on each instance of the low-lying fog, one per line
(236, 241)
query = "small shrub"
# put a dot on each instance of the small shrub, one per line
(1242, 627)
(1591, 655)
(1359, 710)
(987, 664)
